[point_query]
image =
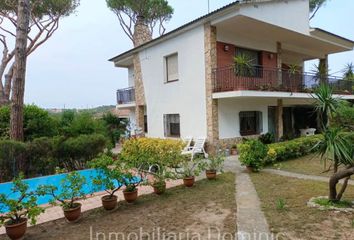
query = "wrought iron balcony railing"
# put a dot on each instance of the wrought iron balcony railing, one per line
(269, 79)
(126, 95)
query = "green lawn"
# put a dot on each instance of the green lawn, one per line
(296, 220)
(310, 165)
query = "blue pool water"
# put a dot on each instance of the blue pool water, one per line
(88, 188)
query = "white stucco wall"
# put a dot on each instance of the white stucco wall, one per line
(131, 76)
(293, 14)
(229, 109)
(186, 96)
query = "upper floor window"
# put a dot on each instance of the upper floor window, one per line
(172, 125)
(171, 66)
(251, 123)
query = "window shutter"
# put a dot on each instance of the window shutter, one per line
(172, 67)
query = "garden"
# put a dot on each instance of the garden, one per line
(142, 162)
(296, 202)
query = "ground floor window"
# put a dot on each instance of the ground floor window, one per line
(251, 123)
(172, 125)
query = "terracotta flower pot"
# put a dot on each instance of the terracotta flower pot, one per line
(189, 181)
(159, 188)
(109, 202)
(233, 151)
(73, 214)
(130, 197)
(16, 231)
(210, 174)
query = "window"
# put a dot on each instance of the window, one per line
(171, 68)
(251, 123)
(172, 125)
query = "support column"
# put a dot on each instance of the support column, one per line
(279, 63)
(279, 119)
(139, 93)
(323, 68)
(211, 104)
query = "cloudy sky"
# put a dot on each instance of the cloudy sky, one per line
(72, 70)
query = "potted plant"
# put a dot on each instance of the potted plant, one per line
(243, 65)
(67, 196)
(252, 154)
(188, 171)
(19, 209)
(234, 149)
(109, 179)
(160, 174)
(212, 165)
(131, 183)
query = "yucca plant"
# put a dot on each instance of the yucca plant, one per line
(320, 72)
(348, 72)
(243, 65)
(334, 146)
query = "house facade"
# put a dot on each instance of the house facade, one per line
(233, 73)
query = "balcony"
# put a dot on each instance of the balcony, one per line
(275, 80)
(126, 96)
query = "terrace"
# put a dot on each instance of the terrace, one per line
(259, 78)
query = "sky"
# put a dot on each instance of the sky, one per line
(72, 70)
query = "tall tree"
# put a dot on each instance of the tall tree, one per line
(131, 13)
(16, 122)
(315, 5)
(44, 21)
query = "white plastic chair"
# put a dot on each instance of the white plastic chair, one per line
(188, 142)
(197, 148)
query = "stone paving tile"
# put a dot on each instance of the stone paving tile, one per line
(250, 219)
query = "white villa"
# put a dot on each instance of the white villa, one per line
(186, 82)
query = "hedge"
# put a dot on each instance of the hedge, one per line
(148, 151)
(42, 156)
(277, 152)
(295, 148)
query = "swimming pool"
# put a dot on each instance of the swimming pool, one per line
(88, 188)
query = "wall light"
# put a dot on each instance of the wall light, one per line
(226, 48)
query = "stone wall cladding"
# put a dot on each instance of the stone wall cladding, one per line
(210, 46)
(139, 39)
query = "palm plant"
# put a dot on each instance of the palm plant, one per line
(335, 145)
(348, 72)
(243, 65)
(320, 72)
(325, 103)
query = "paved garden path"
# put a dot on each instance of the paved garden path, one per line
(251, 222)
(300, 176)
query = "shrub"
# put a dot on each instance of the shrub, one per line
(36, 123)
(252, 153)
(40, 157)
(291, 149)
(12, 155)
(74, 153)
(149, 151)
(267, 138)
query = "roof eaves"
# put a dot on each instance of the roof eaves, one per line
(174, 31)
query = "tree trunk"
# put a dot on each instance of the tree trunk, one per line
(18, 90)
(333, 181)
